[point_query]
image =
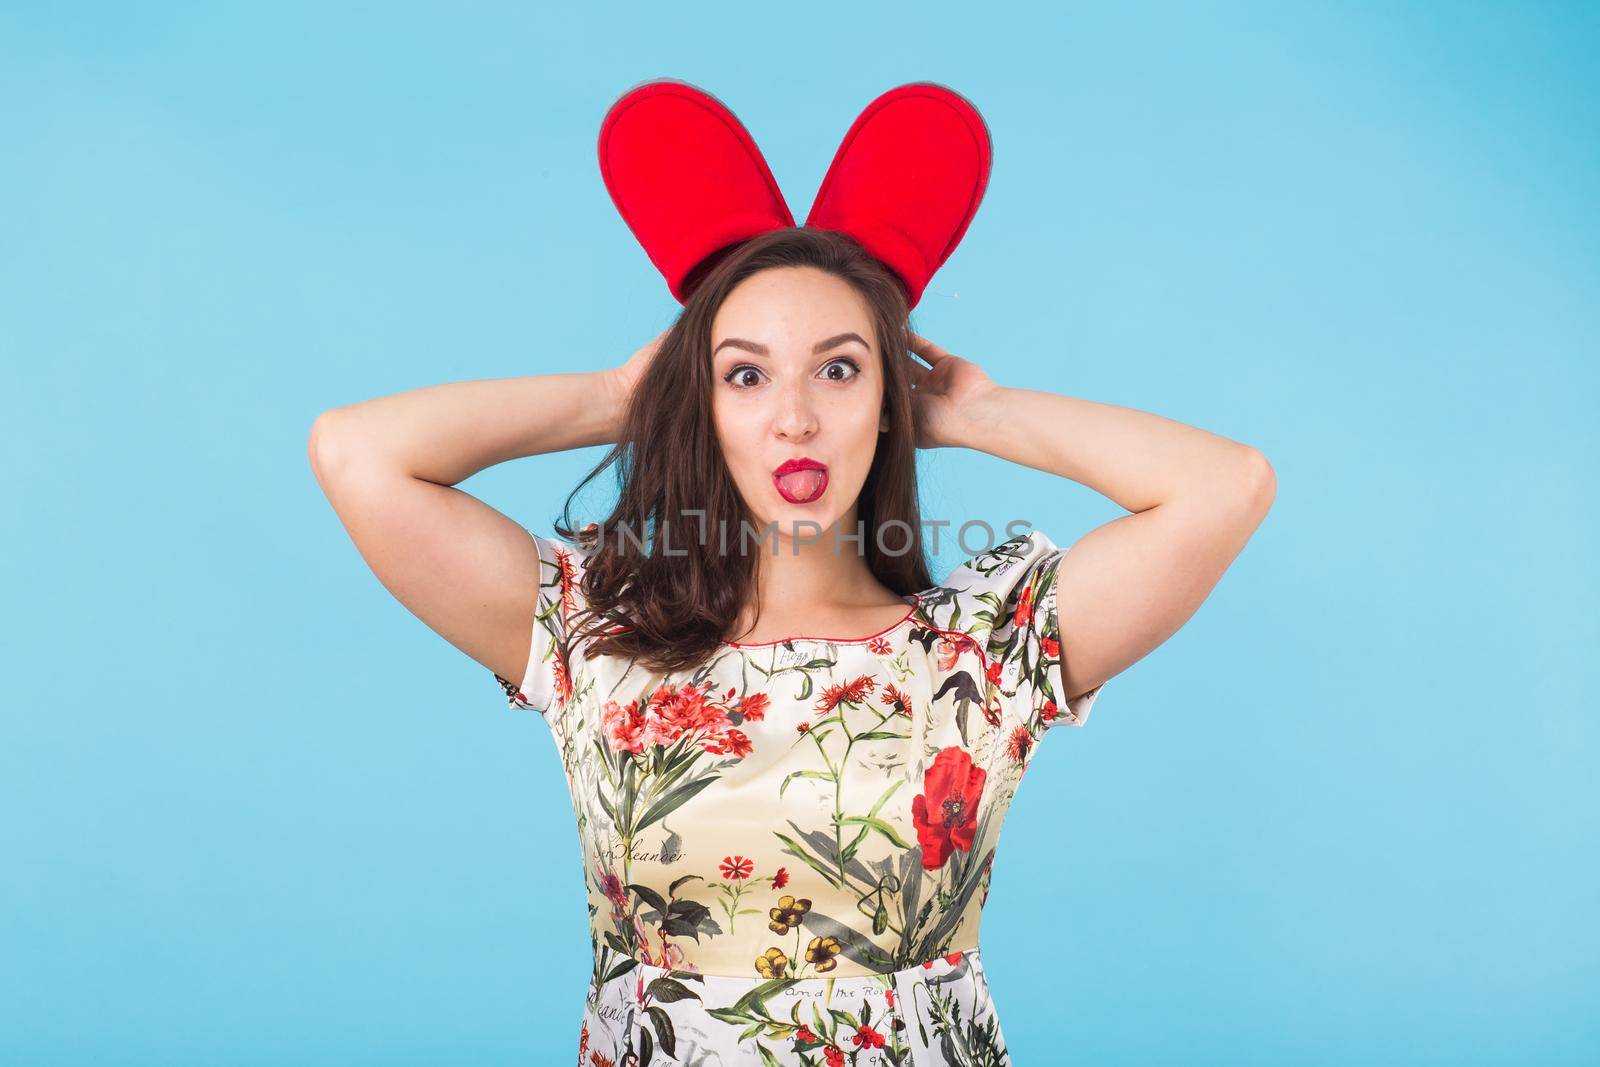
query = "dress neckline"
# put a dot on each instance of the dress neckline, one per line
(916, 604)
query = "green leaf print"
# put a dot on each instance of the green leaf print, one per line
(663, 1023)
(673, 800)
(824, 775)
(668, 990)
(875, 823)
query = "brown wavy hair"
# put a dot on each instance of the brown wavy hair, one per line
(670, 611)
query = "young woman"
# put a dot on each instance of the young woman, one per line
(790, 758)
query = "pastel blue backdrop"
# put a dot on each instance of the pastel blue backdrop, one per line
(254, 812)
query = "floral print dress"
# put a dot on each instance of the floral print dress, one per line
(787, 849)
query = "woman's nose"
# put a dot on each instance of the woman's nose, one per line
(796, 417)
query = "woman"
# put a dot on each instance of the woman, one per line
(790, 759)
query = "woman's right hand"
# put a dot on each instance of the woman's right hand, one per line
(626, 377)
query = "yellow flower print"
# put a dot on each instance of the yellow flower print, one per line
(772, 963)
(787, 915)
(821, 951)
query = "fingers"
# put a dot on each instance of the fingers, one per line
(927, 349)
(914, 370)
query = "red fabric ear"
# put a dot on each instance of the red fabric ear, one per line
(907, 179)
(686, 176)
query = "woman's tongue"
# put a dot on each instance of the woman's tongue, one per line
(802, 484)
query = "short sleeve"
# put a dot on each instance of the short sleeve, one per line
(547, 682)
(1012, 589)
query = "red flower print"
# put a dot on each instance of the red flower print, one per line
(849, 693)
(676, 710)
(754, 707)
(834, 1055)
(945, 812)
(734, 741)
(1018, 744)
(563, 681)
(569, 575)
(878, 646)
(867, 1037)
(947, 652)
(888, 997)
(1050, 647)
(803, 727)
(994, 671)
(897, 700)
(735, 868)
(780, 879)
(611, 886)
(672, 711)
(625, 727)
(1024, 612)
(1048, 712)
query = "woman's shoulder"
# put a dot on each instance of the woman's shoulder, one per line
(983, 590)
(561, 577)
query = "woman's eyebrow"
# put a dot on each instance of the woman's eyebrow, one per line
(819, 347)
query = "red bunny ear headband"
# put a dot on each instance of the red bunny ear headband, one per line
(689, 180)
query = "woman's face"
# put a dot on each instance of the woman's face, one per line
(797, 375)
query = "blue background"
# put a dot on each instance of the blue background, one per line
(254, 812)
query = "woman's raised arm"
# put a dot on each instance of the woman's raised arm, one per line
(1124, 587)
(389, 466)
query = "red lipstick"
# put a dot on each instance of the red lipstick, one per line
(800, 481)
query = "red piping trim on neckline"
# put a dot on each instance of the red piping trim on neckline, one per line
(907, 617)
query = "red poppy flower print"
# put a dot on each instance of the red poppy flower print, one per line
(945, 812)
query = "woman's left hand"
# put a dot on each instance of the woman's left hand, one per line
(946, 395)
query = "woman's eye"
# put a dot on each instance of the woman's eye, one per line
(854, 369)
(746, 376)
